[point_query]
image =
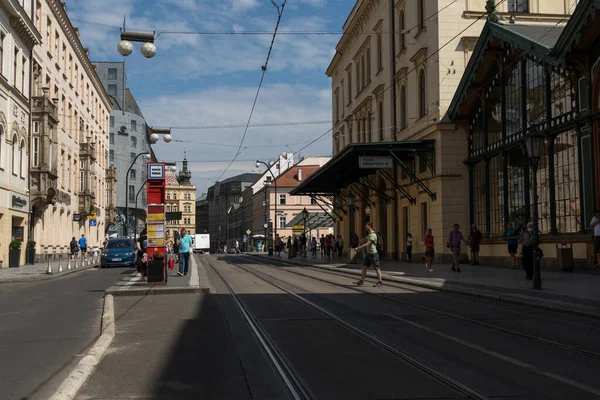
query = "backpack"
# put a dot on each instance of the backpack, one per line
(379, 244)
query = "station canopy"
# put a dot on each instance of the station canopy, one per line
(314, 220)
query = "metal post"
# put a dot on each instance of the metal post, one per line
(136, 208)
(126, 227)
(266, 223)
(537, 278)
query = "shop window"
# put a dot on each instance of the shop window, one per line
(536, 93)
(513, 98)
(517, 168)
(566, 164)
(496, 191)
(479, 195)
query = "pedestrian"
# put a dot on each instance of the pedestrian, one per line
(176, 246)
(595, 224)
(475, 242)
(289, 246)
(303, 244)
(237, 247)
(340, 245)
(184, 253)
(455, 239)
(527, 250)
(313, 245)
(372, 257)
(409, 245)
(83, 246)
(429, 250)
(322, 243)
(142, 258)
(74, 248)
(278, 245)
(512, 239)
(328, 246)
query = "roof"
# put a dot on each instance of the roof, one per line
(343, 169)
(314, 220)
(246, 177)
(542, 34)
(580, 18)
(289, 178)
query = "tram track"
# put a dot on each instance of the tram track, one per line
(440, 312)
(291, 378)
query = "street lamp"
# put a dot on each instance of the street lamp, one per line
(126, 227)
(166, 132)
(257, 165)
(136, 208)
(125, 47)
(305, 215)
(534, 142)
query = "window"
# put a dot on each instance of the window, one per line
(174, 196)
(402, 28)
(424, 221)
(133, 174)
(521, 6)
(15, 66)
(131, 193)
(112, 138)
(168, 196)
(422, 164)
(364, 71)
(175, 207)
(422, 95)
(282, 221)
(15, 158)
(112, 122)
(403, 121)
(133, 126)
(282, 199)
(112, 73)
(2, 36)
(168, 208)
(36, 151)
(112, 90)
(111, 156)
(380, 121)
(368, 65)
(358, 74)
(22, 158)
(379, 53)
(133, 141)
(349, 85)
(23, 70)
(132, 157)
(421, 14)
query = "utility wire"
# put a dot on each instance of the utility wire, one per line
(262, 77)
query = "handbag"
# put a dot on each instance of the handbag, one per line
(171, 264)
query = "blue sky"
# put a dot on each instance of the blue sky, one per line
(199, 81)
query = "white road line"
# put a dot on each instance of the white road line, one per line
(194, 278)
(503, 357)
(131, 281)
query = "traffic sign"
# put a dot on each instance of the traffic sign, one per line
(92, 222)
(248, 231)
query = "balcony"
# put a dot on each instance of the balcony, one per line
(87, 150)
(41, 105)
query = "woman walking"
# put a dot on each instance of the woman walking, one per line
(429, 250)
(74, 248)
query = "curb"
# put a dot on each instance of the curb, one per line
(84, 369)
(116, 291)
(47, 277)
(550, 305)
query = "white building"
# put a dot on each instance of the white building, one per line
(18, 36)
(71, 180)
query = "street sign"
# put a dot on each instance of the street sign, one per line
(156, 171)
(245, 238)
(248, 231)
(375, 162)
(265, 225)
(92, 222)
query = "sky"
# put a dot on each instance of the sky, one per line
(203, 86)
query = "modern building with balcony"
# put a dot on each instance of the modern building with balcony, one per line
(18, 36)
(129, 136)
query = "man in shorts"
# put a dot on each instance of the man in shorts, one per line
(512, 239)
(83, 246)
(372, 258)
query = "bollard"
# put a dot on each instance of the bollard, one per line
(95, 256)
(49, 270)
(69, 264)
(60, 269)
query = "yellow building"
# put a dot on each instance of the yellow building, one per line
(181, 197)
(398, 161)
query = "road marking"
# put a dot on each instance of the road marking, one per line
(131, 281)
(194, 278)
(502, 357)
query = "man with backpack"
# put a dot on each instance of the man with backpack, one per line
(372, 256)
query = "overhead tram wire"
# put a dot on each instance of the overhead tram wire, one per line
(262, 77)
(412, 69)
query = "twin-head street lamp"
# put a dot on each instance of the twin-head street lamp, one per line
(125, 47)
(166, 132)
(534, 143)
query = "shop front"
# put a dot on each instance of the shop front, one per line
(14, 216)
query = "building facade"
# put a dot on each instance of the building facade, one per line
(524, 80)
(201, 225)
(396, 89)
(18, 36)
(70, 193)
(181, 197)
(129, 136)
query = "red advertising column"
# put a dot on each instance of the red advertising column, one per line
(156, 250)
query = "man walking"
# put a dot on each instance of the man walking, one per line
(340, 245)
(184, 253)
(475, 242)
(372, 257)
(512, 239)
(83, 246)
(455, 239)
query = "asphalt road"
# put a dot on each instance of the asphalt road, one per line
(200, 346)
(46, 326)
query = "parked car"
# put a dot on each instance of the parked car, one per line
(118, 252)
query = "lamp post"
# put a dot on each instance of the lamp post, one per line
(533, 145)
(275, 223)
(136, 208)
(126, 227)
(305, 215)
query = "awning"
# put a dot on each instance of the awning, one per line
(314, 220)
(357, 161)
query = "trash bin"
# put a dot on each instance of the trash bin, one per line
(564, 254)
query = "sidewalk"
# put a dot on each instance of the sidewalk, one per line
(38, 271)
(578, 291)
(196, 281)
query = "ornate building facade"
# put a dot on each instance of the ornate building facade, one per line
(181, 197)
(72, 186)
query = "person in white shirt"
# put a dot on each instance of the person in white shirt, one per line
(595, 224)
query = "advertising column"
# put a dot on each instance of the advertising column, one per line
(156, 250)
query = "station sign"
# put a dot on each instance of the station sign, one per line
(156, 171)
(375, 162)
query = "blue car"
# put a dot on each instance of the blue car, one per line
(118, 252)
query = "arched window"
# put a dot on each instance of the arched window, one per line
(422, 94)
(368, 65)
(403, 121)
(421, 14)
(380, 121)
(1, 143)
(379, 55)
(15, 150)
(364, 71)
(402, 28)
(22, 158)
